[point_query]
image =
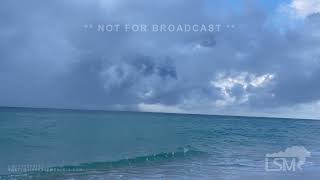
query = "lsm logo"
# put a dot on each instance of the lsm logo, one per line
(291, 159)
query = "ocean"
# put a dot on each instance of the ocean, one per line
(76, 144)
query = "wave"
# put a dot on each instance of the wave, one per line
(110, 165)
(140, 160)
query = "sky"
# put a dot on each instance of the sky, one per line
(263, 61)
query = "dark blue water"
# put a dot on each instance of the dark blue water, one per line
(69, 144)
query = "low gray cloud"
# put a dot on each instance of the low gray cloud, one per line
(49, 59)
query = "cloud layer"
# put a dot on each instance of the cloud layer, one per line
(48, 58)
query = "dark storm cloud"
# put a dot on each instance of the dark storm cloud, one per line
(48, 58)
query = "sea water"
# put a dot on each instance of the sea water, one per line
(75, 144)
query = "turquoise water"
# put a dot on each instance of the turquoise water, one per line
(70, 144)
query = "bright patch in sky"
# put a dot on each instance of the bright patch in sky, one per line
(245, 81)
(301, 8)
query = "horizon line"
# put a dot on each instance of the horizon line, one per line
(155, 112)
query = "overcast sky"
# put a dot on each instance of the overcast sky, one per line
(263, 61)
